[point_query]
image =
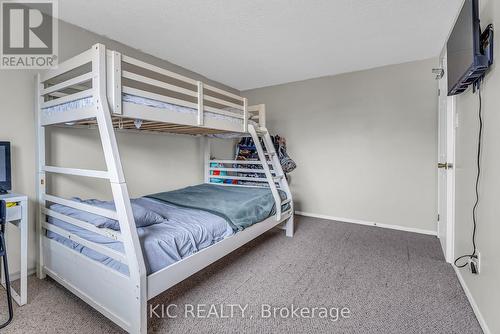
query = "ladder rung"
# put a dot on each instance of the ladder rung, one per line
(240, 162)
(286, 201)
(78, 172)
(243, 178)
(84, 242)
(239, 170)
(278, 177)
(105, 232)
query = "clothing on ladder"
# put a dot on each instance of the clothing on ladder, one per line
(286, 162)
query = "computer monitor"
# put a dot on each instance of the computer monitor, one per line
(5, 172)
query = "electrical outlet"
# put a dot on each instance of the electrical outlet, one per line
(474, 263)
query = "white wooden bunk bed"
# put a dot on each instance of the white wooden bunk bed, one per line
(109, 91)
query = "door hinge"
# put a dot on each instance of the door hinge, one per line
(439, 92)
(438, 217)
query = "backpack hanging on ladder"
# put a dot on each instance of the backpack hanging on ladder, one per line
(286, 162)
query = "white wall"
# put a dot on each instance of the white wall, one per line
(365, 143)
(152, 162)
(484, 288)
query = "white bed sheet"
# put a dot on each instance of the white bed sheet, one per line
(86, 102)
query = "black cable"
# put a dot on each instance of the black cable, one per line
(7, 278)
(478, 175)
(3, 255)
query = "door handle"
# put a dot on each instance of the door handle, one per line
(445, 165)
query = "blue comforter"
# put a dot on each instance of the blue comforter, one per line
(182, 233)
(194, 218)
(241, 207)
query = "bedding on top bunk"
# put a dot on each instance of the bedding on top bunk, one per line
(86, 102)
(183, 231)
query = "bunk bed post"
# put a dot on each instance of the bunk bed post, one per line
(114, 82)
(289, 225)
(136, 266)
(41, 179)
(262, 115)
(207, 146)
(245, 114)
(201, 106)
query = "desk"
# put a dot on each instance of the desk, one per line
(18, 216)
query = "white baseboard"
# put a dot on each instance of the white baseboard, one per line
(364, 222)
(472, 302)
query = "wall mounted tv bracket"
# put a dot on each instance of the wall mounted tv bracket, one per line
(486, 44)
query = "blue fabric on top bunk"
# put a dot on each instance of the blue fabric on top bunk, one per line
(239, 206)
(157, 104)
(88, 101)
(183, 232)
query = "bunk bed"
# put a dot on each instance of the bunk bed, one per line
(97, 249)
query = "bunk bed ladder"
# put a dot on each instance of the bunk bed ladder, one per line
(132, 246)
(135, 287)
(281, 180)
(278, 177)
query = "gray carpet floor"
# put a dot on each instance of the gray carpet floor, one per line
(391, 282)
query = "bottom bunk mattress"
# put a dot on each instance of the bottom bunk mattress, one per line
(172, 225)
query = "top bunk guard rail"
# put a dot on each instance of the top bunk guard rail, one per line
(68, 65)
(138, 91)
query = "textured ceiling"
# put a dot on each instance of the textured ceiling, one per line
(250, 44)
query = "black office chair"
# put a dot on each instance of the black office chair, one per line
(3, 254)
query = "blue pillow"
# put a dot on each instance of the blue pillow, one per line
(143, 216)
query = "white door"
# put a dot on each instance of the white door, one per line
(446, 160)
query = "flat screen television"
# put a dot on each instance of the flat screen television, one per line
(466, 63)
(5, 172)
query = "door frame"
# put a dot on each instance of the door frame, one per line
(450, 128)
(450, 194)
